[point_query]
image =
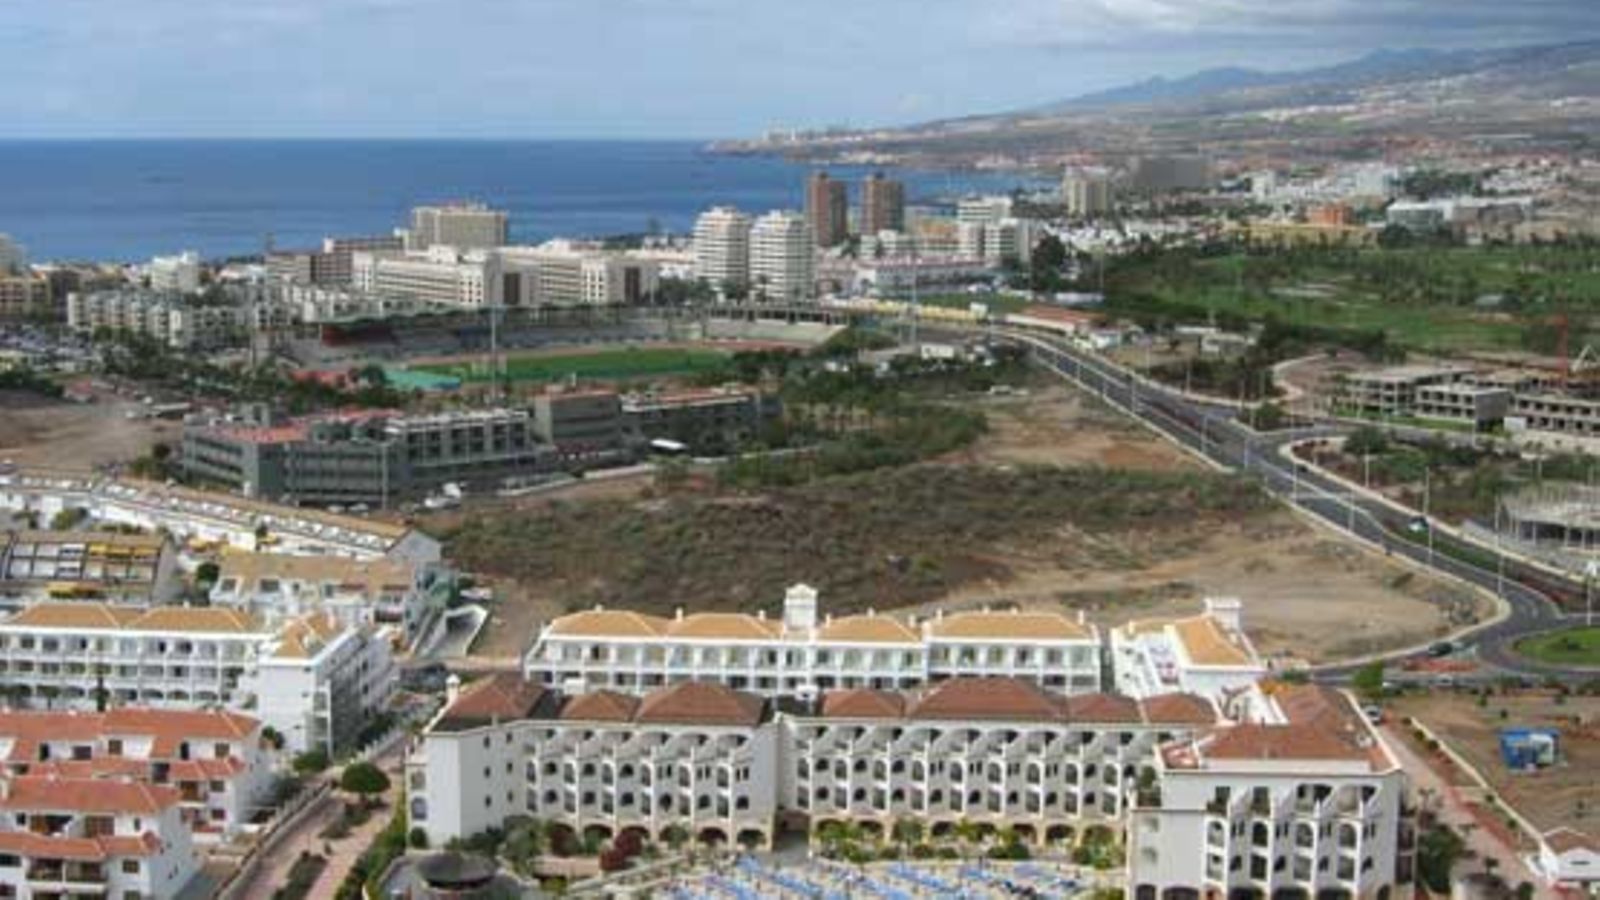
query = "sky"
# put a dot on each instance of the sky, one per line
(661, 68)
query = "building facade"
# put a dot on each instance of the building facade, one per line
(1086, 194)
(782, 258)
(464, 226)
(827, 210)
(722, 248)
(883, 205)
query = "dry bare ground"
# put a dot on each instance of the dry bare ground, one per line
(35, 431)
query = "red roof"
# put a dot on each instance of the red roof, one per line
(500, 697)
(89, 795)
(986, 698)
(25, 843)
(700, 703)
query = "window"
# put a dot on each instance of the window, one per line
(130, 867)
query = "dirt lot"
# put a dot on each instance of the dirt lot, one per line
(1055, 425)
(1565, 794)
(1306, 593)
(35, 431)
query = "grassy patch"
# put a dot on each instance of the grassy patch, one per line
(886, 538)
(630, 362)
(1571, 647)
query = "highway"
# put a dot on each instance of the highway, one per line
(1213, 432)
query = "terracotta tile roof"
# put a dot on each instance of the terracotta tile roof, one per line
(98, 767)
(863, 703)
(986, 698)
(74, 615)
(26, 730)
(25, 843)
(304, 638)
(501, 697)
(88, 795)
(725, 626)
(601, 706)
(700, 703)
(1178, 709)
(1563, 840)
(104, 616)
(1253, 741)
(609, 623)
(1004, 626)
(370, 576)
(1209, 644)
(1109, 708)
(868, 629)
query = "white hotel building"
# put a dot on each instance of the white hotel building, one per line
(92, 837)
(799, 655)
(314, 681)
(216, 760)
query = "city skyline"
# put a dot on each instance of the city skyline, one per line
(346, 68)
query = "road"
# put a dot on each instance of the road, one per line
(1212, 431)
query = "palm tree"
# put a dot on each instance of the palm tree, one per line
(907, 831)
(968, 833)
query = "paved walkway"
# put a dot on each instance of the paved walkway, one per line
(349, 848)
(1486, 843)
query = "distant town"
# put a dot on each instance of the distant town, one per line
(1207, 526)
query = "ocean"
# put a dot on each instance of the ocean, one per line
(129, 200)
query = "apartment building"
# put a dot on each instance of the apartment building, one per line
(464, 226)
(277, 588)
(697, 756)
(1086, 193)
(690, 416)
(207, 519)
(883, 205)
(802, 654)
(180, 322)
(178, 274)
(25, 295)
(983, 210)
(827, 210)
(1392, 391)
(218, 761)
(320, 682)
(441, 275)
(136, 569)
(722, 248)
(92, 837)
(1300, 795)
(1556, 413)
(545, 276)
(579, 423)
(75, 654)
(1206, 654)
(1479, 406)
(362, 457)
(1305, 801)
(782, 258)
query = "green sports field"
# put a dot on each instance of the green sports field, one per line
(610, 365)
(1570, 647)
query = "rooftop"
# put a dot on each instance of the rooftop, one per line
(107, 617)
(28, 793)
(501, 697)
(700, 703)
(1009, 626)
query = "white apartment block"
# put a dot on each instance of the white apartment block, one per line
(722, 247)
(465, 226)
(67, 654)
(440, 275)
(547, 276)
(782, 258)
(218, 761)
(92, 837)
(279, 587)
(206, 520)
(1206, 654)
(801, 654)
(983, 210)
(1086, 193)
(1304, 801)
(313, 304)
(698, 757)
(175, 274)
(1303, 797)
(319, 682)
(179, 323)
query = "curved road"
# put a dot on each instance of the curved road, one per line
(1212, 431)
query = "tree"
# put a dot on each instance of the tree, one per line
(1366, 440)
(907, 831)
(1368, 680)
(1437, 853)
(364, 779)
(311, 762)
(418, 838)
(206, 573)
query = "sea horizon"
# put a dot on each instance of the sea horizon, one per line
(127, 199)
